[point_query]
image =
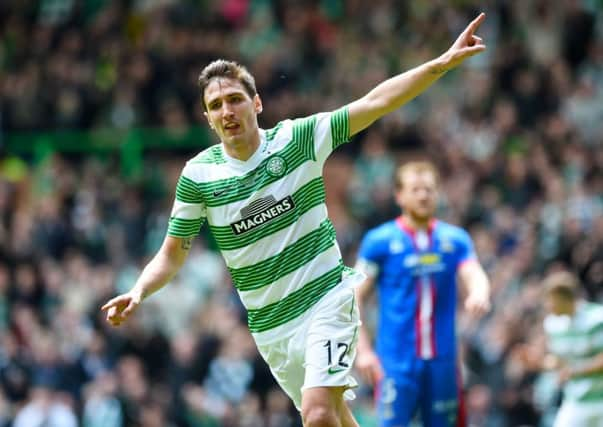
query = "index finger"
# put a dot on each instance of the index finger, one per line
(111, 303)
(474, 25)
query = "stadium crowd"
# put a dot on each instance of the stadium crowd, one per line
(517, 134)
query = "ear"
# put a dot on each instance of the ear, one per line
(398, 197)
(257, 104)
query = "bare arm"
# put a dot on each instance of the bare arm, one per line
(362, 294)
(591, 366)
(473, 277)
(367, 362)
(164, 265)
(397, 91)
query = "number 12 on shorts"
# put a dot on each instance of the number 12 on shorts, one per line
(340, 350)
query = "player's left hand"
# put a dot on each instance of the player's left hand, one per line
(466, 45)
(477, 304)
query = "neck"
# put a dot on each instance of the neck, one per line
(416, 223)
(244, 149)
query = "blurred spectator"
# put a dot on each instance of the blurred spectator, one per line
(101, 407)
(46, 408)
(518, 136)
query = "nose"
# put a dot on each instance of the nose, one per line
(423, 195)
(227, 110)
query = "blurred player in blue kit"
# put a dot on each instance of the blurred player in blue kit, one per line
(414, 262)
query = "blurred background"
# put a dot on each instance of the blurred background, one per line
(99, 110)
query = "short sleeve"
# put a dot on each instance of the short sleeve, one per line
(321, 133)
(597, 338)
(370, 255)
(188, 212)
(466, 250)
(340, 127)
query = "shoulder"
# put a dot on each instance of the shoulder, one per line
(377, 241)
(208, 165)
(594, 314)
(597, 310)
(211, 155)
(314, 122)
(281, 130)
(381, 233)
(450, 231)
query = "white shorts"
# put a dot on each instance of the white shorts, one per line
(580, 414)
(321, 352)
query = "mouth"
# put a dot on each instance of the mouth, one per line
(231, 127)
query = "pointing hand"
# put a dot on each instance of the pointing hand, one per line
(121, 307)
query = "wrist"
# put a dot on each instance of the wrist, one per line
(440, 65)
(137, 294)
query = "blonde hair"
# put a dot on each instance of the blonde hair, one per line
(419, 166)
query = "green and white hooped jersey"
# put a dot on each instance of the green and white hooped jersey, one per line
(269, 218)
(575, 340)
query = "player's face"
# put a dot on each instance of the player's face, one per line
(558, 305)
(231, 113)
(418, 195)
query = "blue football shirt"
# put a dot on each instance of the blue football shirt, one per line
(415, 273)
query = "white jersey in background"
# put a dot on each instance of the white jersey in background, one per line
(576, 339)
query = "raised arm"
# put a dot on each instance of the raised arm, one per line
(397, 91)
(164, 265)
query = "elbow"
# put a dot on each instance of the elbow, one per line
(175, 264)
(169, 265)
(379, 106)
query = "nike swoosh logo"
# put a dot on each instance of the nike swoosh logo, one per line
(218, 193)
(332, 371)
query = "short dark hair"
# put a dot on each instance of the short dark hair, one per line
(563, 284)
(227, 69)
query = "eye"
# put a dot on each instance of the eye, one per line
(214, 105)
